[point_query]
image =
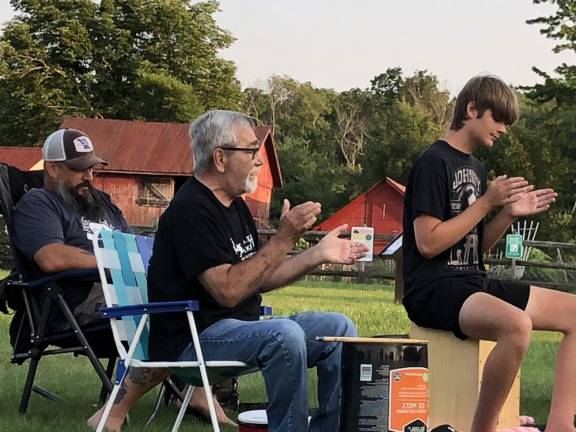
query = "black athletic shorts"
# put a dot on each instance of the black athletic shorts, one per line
(438, 305)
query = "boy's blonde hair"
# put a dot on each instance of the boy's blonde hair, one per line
(487, 92)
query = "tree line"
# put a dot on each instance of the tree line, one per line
(158, 60)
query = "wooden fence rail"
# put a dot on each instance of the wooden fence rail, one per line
(534, 264)
(394, 271)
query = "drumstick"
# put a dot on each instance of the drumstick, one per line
(368, 340)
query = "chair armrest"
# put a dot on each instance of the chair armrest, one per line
(265, 310)
(149, 308)
(65, 275)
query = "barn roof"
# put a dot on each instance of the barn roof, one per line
(399, 187)
(152, 147)
(22, 158)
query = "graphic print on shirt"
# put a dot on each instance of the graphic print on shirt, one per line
(89, 226)
(465, 190)
(245, 248)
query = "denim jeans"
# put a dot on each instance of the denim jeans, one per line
(283, 349)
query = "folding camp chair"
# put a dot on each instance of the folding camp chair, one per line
(123, 262)
(34, 301)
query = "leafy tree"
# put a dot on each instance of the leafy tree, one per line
(388, 86)
(310, 175)
(332, 146)
(560, 26)
(421, 92)
(351, 132)
(301, 117)
(40, 69)
(174, 100)
(404, 115)
(551, 131)
(292, 109)
(125, 59)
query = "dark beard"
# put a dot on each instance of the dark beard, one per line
(89, 205)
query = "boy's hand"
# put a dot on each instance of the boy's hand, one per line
(531, 203)
(503, 190)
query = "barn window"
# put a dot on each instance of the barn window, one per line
(383, 211)
(154, 192)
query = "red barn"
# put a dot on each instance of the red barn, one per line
(381, 207)
(148, 162)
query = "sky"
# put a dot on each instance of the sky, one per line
(342, 44)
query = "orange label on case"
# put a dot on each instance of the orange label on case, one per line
(409, 400)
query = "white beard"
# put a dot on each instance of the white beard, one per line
(251, 184)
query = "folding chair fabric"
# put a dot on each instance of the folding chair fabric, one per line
(125, 285)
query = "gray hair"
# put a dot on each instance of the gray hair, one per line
(212, 130)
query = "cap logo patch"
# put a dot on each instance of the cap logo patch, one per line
(83, 144)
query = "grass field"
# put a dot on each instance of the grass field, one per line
(370, 306)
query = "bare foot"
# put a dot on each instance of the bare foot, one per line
(525, 420)
(113, 424)
(520, 429)
(200, 403)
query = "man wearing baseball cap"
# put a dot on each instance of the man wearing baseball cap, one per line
(52, 224)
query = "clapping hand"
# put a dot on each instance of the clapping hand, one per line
(503, 190)
(296, 221)
(531, 203)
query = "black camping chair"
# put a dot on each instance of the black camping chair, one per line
(34, 301)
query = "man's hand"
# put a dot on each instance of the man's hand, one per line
(295, 222)
(531, 203)
(335, 250)
(503, 190)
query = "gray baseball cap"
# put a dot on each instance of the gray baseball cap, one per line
(72, 147)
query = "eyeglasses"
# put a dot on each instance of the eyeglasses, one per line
(252, 150)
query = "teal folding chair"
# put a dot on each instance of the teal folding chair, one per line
(122, 263)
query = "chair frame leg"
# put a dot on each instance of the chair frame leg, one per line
(48, 394)
(82, 339)
(203, 373)
(179, 393)
(183, 408)
(104, 392)
(27, 393)
(108, 408)
(35, 355)
(124, 374)
(157, 406)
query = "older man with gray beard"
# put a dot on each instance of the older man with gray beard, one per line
(207, 248)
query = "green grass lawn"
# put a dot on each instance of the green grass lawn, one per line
(370, 306)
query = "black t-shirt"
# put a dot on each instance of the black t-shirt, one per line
(195, 233)
(443, 182)
(42, 217)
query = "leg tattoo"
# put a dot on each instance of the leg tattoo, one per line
(139, 381)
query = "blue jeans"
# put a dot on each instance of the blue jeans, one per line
(283, 349)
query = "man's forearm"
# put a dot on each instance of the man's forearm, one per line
(59, 257)
(291, 268)
(230, 284)
(496, 229)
